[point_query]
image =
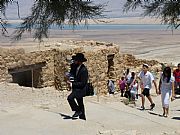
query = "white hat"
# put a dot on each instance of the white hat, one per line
(146, 65)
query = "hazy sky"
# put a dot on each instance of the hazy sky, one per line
(114, 9)
(24, 7)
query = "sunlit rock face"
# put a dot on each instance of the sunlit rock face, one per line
(47, 67)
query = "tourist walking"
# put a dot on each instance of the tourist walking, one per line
(166, 89)
(176, 74)
(127, 77)
(70, 75)
(134, 90)
(73, 67)
(111, 87)
(78, 87)
(130, 84)
(122, 85)
(132, 79)
(146, 79)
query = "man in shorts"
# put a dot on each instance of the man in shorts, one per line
(146, 79)
(176, 75)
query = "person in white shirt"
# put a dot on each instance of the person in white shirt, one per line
(134, 90)
(146, 79)
(128, 77)
(166, 89)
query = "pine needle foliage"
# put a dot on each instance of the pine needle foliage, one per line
(3, 23)
(167, 10)
(46, 13)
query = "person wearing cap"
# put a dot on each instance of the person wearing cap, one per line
(176, 75)
(146, 79)
(78, 87)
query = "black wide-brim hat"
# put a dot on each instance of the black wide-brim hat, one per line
(80, 57)
(73, 57)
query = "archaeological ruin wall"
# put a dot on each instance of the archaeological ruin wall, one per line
(27, 68)
(48, 67)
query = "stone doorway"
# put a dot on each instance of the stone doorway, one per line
(110, 59)
(22, 78)
(28, 75)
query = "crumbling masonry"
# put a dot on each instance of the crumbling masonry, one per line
(48, 67)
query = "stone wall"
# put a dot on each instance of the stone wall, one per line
(97, 65)
(56, 59)
(9, 57)
(17, 58)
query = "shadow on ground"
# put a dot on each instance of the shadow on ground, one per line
(67, 117)
(176, 118)
(139, 108)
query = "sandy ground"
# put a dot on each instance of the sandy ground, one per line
(146, 44)
(24, 111)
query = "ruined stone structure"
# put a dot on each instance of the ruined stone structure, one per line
(48, 67)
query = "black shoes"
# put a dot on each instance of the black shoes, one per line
(142, 108)
(77, 114)
(152, 106)
(80, 115)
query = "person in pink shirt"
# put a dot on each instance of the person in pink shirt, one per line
(122, 85)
